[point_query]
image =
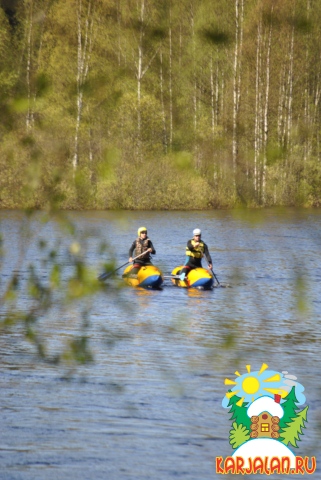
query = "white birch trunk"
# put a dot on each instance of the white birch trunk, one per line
(180, 44)
(194, 94)
(28, 73)
(91, 155)
(212, 99)
(84, 45)
(290, 92)
(217, 95)
(223, 92)
(281, 108)
(239, 12)
(307, 112)
(306, 108)
(316, 99)
(162, 102)
(140, 66)
(266, 109)
(194, 74)
(170, 81)
(236, 52)
(257, 106)
(119, 32)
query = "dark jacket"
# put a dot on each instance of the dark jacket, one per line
(146, 244)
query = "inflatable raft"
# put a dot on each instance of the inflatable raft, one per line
(147, 277)
(196, 278)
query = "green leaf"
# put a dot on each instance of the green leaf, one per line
(238, 435)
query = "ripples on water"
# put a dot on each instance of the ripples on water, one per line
(149, 407)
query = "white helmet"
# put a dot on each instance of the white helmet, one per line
(197, 231)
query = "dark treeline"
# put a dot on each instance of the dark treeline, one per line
(160, 104)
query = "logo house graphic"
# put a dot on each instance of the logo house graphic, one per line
(268, 419)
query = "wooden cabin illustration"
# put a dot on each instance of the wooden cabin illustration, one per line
(265, 414)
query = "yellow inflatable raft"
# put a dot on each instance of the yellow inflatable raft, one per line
(196, 278)
(148, 276)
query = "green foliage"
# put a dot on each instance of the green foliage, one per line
(69, 99)
(67, 285)
(239, 413)
(238, 435)
(78, 350)
(291, 433)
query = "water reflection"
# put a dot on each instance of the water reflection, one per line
(199, 293)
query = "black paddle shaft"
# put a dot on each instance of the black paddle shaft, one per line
(215, 276)
(106, 275)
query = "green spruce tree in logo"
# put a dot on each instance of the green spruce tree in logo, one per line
(292, 422)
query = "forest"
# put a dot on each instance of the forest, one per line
(160, 104)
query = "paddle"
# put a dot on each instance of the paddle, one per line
(218, 283)
(106, 275)
(211, 269)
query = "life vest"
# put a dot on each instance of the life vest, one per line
(141, 246)
(200, 249)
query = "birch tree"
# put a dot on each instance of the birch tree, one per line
(151, 77)
(266, 104)
(257, 122)
(170, 86)
(143, 43)
(85, 30)
(239, 18)
(33, 14)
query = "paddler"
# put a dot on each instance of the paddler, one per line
(140, 245)
(196, 249)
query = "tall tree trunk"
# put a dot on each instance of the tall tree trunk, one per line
(217, 87)
(162, 102)
(140, 67)
(29, 56)
(170, 79)
(239, 13)
(119, 32)
(36, 13)
(307, 118)
(212, 99)
(84, 46)
(290, 93)
(266, 109)
(281, 108)
(257, 121)
(194, 72)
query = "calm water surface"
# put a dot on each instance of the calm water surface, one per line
(149, 407)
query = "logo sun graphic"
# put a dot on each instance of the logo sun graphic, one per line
(252, 385)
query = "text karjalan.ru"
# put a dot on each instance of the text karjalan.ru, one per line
(265, 465)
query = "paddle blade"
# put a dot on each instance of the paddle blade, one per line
(103, 276)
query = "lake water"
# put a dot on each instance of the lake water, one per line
(149, 406)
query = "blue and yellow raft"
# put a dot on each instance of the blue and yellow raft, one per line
(196, 278)
(148, 276)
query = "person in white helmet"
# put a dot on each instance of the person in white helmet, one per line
(140, 245)
(196, 249)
